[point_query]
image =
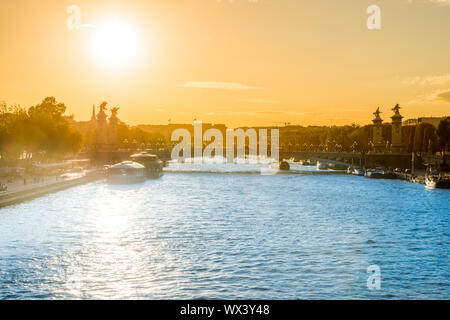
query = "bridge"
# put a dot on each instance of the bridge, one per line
(337, 158)
(368, 160)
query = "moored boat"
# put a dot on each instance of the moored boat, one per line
(436, 181)
(153, 165)
(380, 174)
(358, 172)
(374, 174)
(322, 165)
(126, 172)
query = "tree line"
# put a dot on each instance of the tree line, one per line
(419, 138)
(40, 133)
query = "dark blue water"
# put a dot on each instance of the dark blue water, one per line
(229, 236)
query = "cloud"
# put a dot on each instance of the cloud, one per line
(158, 110)
(217, 85)
(438, 96)
(444, 96)
(430, 80)
(441, 2)
(260, 101)
(259, 113)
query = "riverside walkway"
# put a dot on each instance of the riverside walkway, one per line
(18, 191)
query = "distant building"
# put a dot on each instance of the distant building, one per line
(410, 122)
(431, 120)
(84, 127)
(434, 121)
(98, 132)
(165, 131)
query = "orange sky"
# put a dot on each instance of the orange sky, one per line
(247, 62)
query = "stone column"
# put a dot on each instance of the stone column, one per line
(397, 143)
(101, 134)
(113, 122)
(378, 142)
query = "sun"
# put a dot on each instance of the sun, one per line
(115, 44)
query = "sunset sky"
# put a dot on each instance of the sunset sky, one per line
(241, 62)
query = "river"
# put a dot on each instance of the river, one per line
(229, 236)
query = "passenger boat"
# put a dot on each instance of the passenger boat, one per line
(126, 172)
(380, 174)
(322, 165)
(374, 174)
(337, 166)
(153, 165)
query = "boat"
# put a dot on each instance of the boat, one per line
(126, 172)
(434, 179)
(153, 165)
(374, 174)
(437, 181)
(322, 165)
(337, 166)
(380, 174)
(358, 172)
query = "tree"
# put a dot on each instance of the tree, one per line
(49, 107)
(418, 139)
(443, 133)
(12, 133)
(429, 136)
(409, 132)
(41, 133)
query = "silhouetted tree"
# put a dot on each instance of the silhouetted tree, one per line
(418, 139)
(41, 133)
(443, 133)
(429, 135)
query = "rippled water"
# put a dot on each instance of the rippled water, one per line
(229, 236)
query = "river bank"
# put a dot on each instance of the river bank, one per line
(27, 192)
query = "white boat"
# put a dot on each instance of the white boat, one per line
(322, 165)
(358, 172)
(153, 165)
(126, 172)
(436, 181)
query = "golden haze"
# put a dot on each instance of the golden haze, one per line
(241, 63)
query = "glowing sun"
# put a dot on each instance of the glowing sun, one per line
(115, 43)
